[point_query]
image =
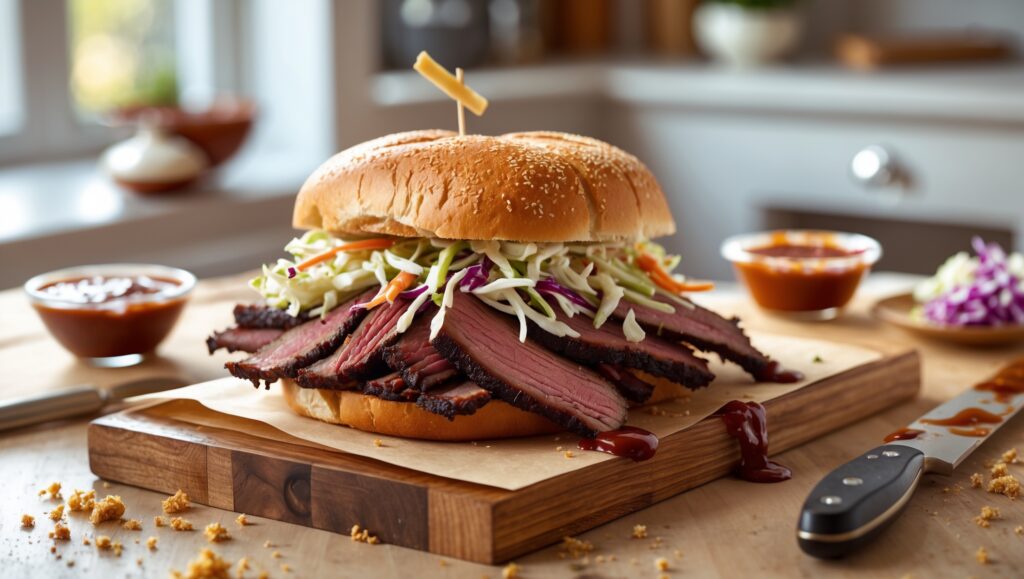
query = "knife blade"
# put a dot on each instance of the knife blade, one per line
(853, 503)
(75, 401)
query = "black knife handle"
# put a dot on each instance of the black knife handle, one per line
(853, 503)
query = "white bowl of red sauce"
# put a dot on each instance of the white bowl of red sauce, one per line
(111, 315)
(806, 274)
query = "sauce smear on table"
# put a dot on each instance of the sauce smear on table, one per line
(747, 423)
(773, 372)
(628, 441)
(903, 434)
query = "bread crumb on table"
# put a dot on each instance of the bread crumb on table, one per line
(981, 555)
(242, 567)
(151, 543)
(103, 542)
(378, 442)
(569, 454)
(639, 531)
(108, 509)
(276, 555)
(216, 533)
(242, 520)
(60, 533)
(57, 513)
(999, 469)
(28, 521)
(176, 503)
(82, 500)
(267, 544)
(1019, 530)
(206, 566)
(987, 514)
(362, 536)
(1010, 456)
(511, 571)
(180, 524)
(661, 564)
(53, 490)
(285, 567)
(1006, 485)
(159, 521)
(132, 525)
(576, 548)
(976, 480)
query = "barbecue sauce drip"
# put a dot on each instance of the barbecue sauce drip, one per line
(747, 423)
(966, 417)
(977, 431)
(903, 434)
(1006, 384)
(628, 441)
(773, 372)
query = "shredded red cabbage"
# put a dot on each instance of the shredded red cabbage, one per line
(551, 286)
(476, 275)
(994, 298)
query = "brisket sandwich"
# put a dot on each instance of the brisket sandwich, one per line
(475, 287)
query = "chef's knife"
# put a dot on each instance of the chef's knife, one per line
(76, 401)
(853, 503)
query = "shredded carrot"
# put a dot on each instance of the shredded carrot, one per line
(399, 284)
(663, 279)
(379, 243)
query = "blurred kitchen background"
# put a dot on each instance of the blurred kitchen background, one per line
(900, 119)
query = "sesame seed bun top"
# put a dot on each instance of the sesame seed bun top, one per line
(536, 186)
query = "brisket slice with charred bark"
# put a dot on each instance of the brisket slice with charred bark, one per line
(608, 345)
(300, 346)
(460, 398)
(418, 362)
(391, 387)
(702, 328)
(631, 387)
(484, 345)
(242, 339)
(361, 356)
(263, 316)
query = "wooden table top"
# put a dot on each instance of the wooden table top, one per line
(728, 528)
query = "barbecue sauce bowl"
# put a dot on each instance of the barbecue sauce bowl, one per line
(110, 315)
(806, 275)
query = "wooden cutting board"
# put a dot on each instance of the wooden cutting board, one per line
(262, 471)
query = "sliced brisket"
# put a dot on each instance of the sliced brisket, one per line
(461, 398)
(419, 363)
(362, 354)
(242, 339)
(631, 387)
(608, 345)
(484, 345)
(300, 346)
(702, 328)
(262, 316)
(391, 387)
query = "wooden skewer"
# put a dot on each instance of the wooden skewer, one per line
(462, 110)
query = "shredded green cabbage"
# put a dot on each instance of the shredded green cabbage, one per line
(598, 275)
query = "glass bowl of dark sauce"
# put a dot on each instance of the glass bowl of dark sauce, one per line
(111, 315)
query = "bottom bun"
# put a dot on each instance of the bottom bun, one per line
(495, 419)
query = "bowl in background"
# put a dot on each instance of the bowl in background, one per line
(802, 274)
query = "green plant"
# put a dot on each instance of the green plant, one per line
(755, 4)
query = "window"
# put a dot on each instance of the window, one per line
(122, 54)
(10, 69)
(63, 63)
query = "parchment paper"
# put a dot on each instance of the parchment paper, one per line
(517, 463)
